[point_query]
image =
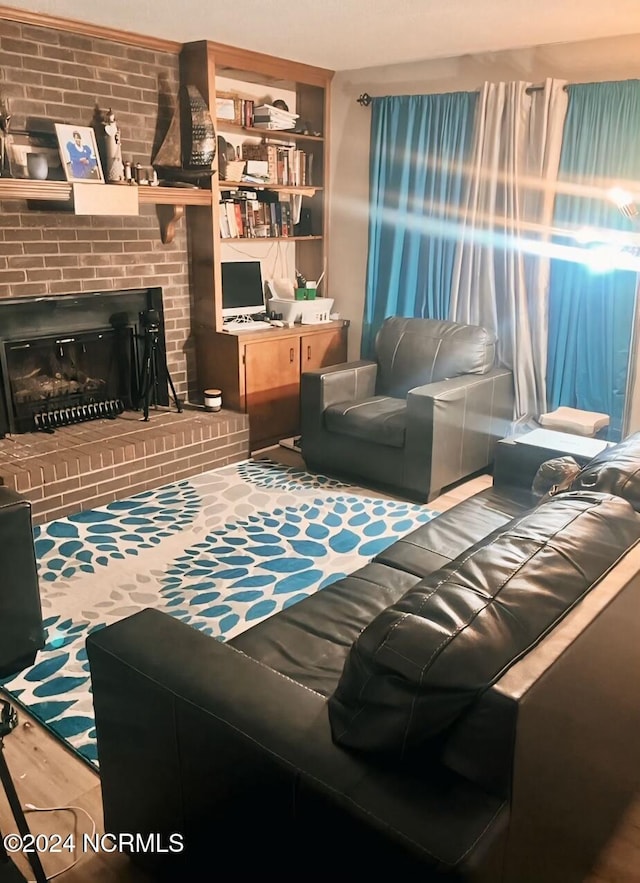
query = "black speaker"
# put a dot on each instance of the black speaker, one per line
(21, 631)
(303, 228)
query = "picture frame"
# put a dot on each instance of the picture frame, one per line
(79, 154)
(229, 108)
(20, 145)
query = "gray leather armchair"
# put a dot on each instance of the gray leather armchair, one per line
(424, 415)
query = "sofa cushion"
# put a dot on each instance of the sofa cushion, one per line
(413, 352)
(378, 419)
(309, 641)
(424, 659)
(615, 470)
(444, 538)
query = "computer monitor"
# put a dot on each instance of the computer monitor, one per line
(242, 291)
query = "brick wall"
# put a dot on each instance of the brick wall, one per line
(54, 76)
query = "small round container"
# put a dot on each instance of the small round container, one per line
(212, 399)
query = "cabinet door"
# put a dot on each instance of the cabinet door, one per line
(272, 385)
(320, 350)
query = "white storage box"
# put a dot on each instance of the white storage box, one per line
(308, 312)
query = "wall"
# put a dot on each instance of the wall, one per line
(55, 76)
(592, 60)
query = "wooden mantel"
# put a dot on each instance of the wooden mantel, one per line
(169, 201)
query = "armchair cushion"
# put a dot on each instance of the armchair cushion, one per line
(421, 662)
(379, 419)
(414, 352)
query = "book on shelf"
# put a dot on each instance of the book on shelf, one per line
(272, 125)
(276, 111)
(263, 180)
(225, 230)
(228, 208)
(286, 225)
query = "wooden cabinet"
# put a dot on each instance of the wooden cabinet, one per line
(272, 387)
(259, 372)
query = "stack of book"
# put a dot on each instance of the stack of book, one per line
(285, 163)
(266, 116)
(246, 214)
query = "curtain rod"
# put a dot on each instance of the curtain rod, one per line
(365, 99)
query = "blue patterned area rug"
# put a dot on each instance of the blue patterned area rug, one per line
(220, 551)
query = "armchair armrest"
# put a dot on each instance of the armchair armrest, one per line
(326, 386)
(460, 419)
(339, 383)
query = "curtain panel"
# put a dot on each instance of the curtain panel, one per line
(419, 147)
(591, 312)
(501, 272)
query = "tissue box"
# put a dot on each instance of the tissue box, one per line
(307, 312)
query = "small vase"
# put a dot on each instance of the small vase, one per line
(37, 166)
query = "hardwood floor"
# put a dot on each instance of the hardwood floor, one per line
(47, 774)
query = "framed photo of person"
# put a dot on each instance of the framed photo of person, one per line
(79, 153)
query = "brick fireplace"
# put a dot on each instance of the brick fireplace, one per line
(49, 75)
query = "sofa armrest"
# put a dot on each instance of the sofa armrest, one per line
(326, 386)
(461, 418)
(195, 737)
(185, 734)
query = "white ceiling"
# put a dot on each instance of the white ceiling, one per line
(351, 34)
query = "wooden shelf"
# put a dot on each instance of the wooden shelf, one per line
(60, 191)
(271, 134)
(51, 191)
(169, 201)
(173, 196)
(270, 239)
(248, 185)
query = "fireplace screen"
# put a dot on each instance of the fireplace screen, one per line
(57, 380)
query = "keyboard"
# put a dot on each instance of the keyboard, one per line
(246, 326)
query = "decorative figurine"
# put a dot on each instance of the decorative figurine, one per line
(114, 170)
(188, 149)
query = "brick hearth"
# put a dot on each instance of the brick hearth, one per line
(91, 464)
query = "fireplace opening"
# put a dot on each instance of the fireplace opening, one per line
(56, 381)
(70, 358)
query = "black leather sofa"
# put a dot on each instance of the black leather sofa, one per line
(464, 707)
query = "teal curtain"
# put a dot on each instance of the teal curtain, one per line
(591, 313)
(419, 145)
